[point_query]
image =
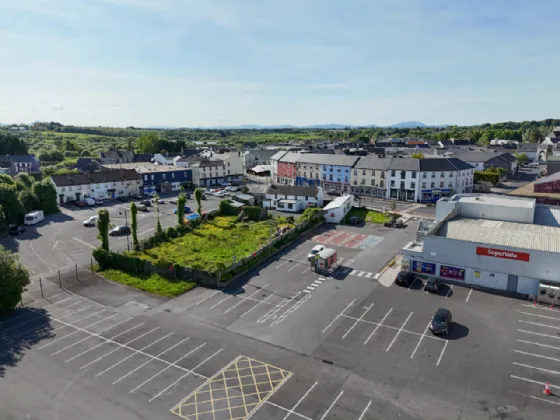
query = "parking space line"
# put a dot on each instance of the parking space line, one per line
(535, 382)
(332, 405)
(539, 344)
(185, 375)
(419, 341)
(351, 261)
(35, 319)
(70, 334)
(84, 243)
(168, 366)
(537, 333)
(89, 336)
(539, 324)
(443, 351)
(539, 315)
(110, 340)
(242, 298)
(358, 320)
(365, 410)
(207, 297)
(133, 354)
(469, 295)
(276, 309)
(259, 303)
(289, 259)
(290, 310)
(300, 400)
(537, 368)
(149, 360)
(378, 325)
(449, 289)
(118, 348)
(297, 265)
(536, 355)
(412, 284)
(399, 331)
(535, 398)
(338, 316)
(223, 300)
(545, 308)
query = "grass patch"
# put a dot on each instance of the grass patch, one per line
(213, 245)
(366, 215)
(150, 282)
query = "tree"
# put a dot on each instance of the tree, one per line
(198, 197)
(11, 144)
(181, 202)
(245, 190)
(134, 226)
(534, 135)
(13, 279)
(148, 143)
(48, 171)
(103, 227)
(13, 210)
(417, 155)
(45, 192)
(27, 179)
(6, 179)
(522, 158)
(28, 200)
(2, 220)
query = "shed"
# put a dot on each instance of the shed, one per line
(337, 209)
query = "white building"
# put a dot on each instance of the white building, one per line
(162, 160)
(102, 184)
(292, 198)
(233, 162)
(337, 209)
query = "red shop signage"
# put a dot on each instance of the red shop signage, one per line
(502, 253)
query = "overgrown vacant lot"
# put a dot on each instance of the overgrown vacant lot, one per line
(214, 243)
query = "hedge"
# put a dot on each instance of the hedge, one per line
(107, 259)
(492, 177)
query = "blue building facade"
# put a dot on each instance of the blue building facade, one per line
(307, 182)
(162, 181)
(336, 178)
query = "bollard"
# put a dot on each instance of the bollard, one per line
(77, 272)
(91, 265)
(41, 286)
(59, 280)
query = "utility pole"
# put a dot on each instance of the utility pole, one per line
(126, 223)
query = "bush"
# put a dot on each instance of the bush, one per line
(171, 232)
(226, 209)
(107, 259)
(252, 213)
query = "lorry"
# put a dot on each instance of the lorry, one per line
(34, 217)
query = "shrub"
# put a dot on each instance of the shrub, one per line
(171, 232)
(252, 213)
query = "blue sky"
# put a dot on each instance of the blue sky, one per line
(230, 62)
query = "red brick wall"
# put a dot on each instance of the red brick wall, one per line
(286, 170)
(549, 187)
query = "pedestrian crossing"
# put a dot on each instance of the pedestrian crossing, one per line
(342, 270)
(314, 285)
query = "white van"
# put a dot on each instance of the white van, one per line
(89, 201)
(34, 217)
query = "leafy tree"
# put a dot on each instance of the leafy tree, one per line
(522, 158)
(417, 155)
(198, 197)
(28, 200)
(534, 135)
(103, 227)
(134, 226)
(13, 210)
(2, 220)
(45, 192)
(48, 171)
(11, 144)
(245, 190)
(13, 279)
(6, 179)
(148, 143)
(26, 179)
(181, 202)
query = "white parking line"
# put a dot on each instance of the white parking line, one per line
(105, 341)
(294, 307)
(399, 331)
(535, 382)
(35, 319)
(537, 355)
(539, 324)
(350, 261)
(443, 351)
(449, 289)
(535, 398)
(412, 284)
(242, 298)
(223, 300)
(167, 367)
(332, 405)
(118, 348)
(276, 309)
(338, 316)
(70, 334)
(132, 354)
(545, 308)
(297, 265)
(206, 298)
(378, 325)
(288, 259)
(149, 360)
(541, 334)
(259, 303)
(84, 243)
(185, 375)
(419, 341)
(537, 368)
(89, 336)
(539, 315)
(358, 320)
(469, 295)
(365, 411)
(292, 411)
(538, 344)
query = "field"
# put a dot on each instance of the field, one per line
(218, 242)
(150, 282)
(366, 215)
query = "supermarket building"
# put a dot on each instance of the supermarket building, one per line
(497, 242)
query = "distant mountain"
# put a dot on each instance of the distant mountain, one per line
(331, 126)
(408, 124)
(160, 127)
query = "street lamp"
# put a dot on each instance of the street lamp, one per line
(126, 223)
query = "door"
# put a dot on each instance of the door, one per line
(512, 283)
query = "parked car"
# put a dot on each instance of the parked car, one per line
(314, 251)
(119, 230)
(441, 322)
(187, 210)
(432, 285)
(91, 221)
(158, 200)
(173, 201)
(353, 220)
(98, 201)
(233, 188)
(203, 196)
(122, 199)
(89, 201)
(147, 203)
(404, 278)
(79, 203)
(142, 207)
(222, 194)
(17, 229)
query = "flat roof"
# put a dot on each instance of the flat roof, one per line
(144, 167)
(495, 232)
(337, 202)
(495, 200)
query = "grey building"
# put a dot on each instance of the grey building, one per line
(252, 158)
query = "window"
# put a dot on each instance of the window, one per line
(433, 174)
(290, 205)
(451, 185)
(79, 187)
(414, 175)
(338, 170)
(373, 182)
(432, 185)
(450, 174)
(355, 172)
(306, 198)
(316, 175)
(63, 189)
(355, 182)
(423, 185)
(346, 179)
(330, 177)
(403, 174)
(363, 182)
(392, 183)
(228, 171)
(173, 175)
(324, 177)
(305, 174)
(163, 176)
(363, 171)
(372, 173)
(393, 173)
(441, 184)
(382, 175)
(424, 175)
(228, 164)
(413, 185)
(152, 177)
(382, 184)
(145, 177)
(97, 186)
(402, 185)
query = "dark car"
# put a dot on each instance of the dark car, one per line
(432, 285)
(187, 210)
(354, 221)
(404, 278)
(441, 322)
(17, 229)
(147, 203)
(122, 199)
(119, 230)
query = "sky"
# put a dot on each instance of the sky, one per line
(200, 63)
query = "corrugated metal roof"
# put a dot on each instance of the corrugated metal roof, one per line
(494, 232)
